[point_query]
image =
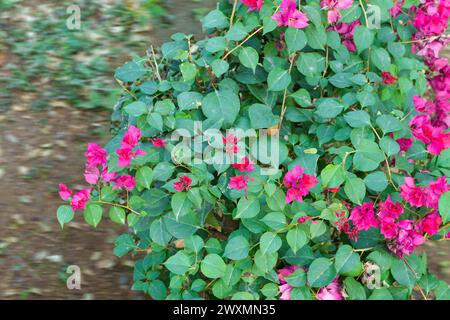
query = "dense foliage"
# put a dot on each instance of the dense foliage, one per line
(355, 96)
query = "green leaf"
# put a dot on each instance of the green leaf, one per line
(332, 176)
(355, 190)
(278, 79)
(310, 64)
(297, 278)
(159, 233)
(247, 208)
(444, 207)
(144, 177)
(64, 214)
(117, 214)
(403, 274)
(188, 70)
(249, 58)
(381, 294)
(155, 121)
(275, 220)
(277, 201)
(376, 181)
(389, 146)
(317, 229)
(221, 105)
(93, 214)
(265, 262)
(124, 244)
(341, 80)
(180, 205)
(216, 44)
(179, 263)
(388, 123)
(347, 262)
(354, 289)
(368, 156)
(237, 248)
(136, 108)
(130, 72)
(296, 238)
(189, 100)
(329, 108)
(215, 19)
(321, 272)
(302, 97)
(295, 39)
(261, 116)
(219, 67)
(363, 38)
(381, 59)
(357, 119)
(270, 242)
(213, 266)
(269, 290)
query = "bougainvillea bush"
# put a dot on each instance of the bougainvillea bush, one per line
(300, 151)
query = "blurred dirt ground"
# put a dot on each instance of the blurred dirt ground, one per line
(39, 149)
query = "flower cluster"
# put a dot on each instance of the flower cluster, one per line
(289, 16)
(431, 21)
(298, 184)
(240, 182)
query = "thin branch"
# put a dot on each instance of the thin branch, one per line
(242, 43)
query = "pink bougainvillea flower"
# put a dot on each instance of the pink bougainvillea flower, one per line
(95, 155)
(230, 142)
(240, 183)
(91, 175)
(407, 239)
(107, 176)
(439, 141)
(289, 16)
(158, 143)
(333, 291)
(64, 192)
(126, 154)
(434, 191)
(388, 228)
(80, 198)
(388, 78)
(298, 184)
(390, 210)
(244, 166)
(430, 224)
(253, 4)
(363, 216)
(412, 194)
(420, 103)
(131, 137)
(404, 143)
(397, 8)
(126, 181)
(334, 7)
(183, 184)
(346, 32)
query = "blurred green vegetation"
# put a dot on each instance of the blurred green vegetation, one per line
(43, 58)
